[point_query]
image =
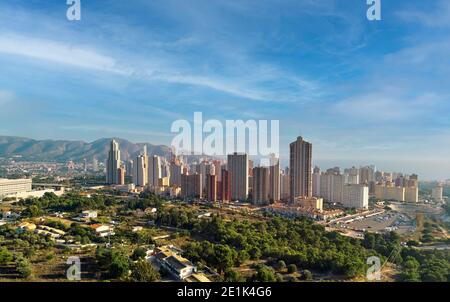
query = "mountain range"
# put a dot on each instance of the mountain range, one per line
(65, 150)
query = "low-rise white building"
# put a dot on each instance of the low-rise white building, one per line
(14, 186)
(88, 214)
(179, 267)
(103, 230)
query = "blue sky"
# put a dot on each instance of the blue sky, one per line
(362, 92)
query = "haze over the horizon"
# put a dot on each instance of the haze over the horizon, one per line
(362, 92)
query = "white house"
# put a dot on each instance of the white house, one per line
(89, 214)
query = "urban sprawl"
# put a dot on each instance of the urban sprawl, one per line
(194, 218)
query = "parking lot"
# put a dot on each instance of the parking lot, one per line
(386, 222)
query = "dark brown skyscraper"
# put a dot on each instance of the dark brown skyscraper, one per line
(300, 166)
(225, 189)
(211, 187)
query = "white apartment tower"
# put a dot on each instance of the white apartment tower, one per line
(356, 196)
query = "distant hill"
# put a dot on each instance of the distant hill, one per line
(63, 151)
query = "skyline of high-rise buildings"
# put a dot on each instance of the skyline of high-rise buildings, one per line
(233, 180)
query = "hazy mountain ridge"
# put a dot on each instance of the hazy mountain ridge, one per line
(65, 150)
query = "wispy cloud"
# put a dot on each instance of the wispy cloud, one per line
(387, 106)
(56, 52)
(439, 17)
(92, 59)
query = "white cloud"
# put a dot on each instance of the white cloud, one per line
(56, 52)
(161, 69)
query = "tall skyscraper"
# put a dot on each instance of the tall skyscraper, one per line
(260, 185)
(332, 185)
(130, 167)
(140, 169)
(238, 167)
(165, 168)
(154, 171)
(205, 168)
(300, 168)
(113, 163)
(284, 184)
(211, 188)
(140, 177)
(191, 185)
(316, 182)
(218, 169)
(225, 190)
(176, 169)
(121, 175)
(367, 175)
(352, 176)
(274, 180)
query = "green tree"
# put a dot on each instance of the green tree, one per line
(292, 268)
(5, 256)
(143, 271)
(281, 265)
(255, 253)
(264, 274)
(307, 275)
(23, 267)
(138, 253)
(410, 271)
(242, 257)
(224, 257)
(232, 276)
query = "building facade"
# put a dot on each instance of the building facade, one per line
(238, 167)
(113, 164)
(274, 180)
(14, 186)
(356, 196)
(300, 167)
(261, 185)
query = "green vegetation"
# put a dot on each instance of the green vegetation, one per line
(265, 274)
(72, 202)
(23, 267)
(239, 247)
(415, 264)
(233, 276)
(5, 256)
(426, 266)
(114, 263)
(143, 271)
(138, 253)
(299, 242)
(292, 268)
